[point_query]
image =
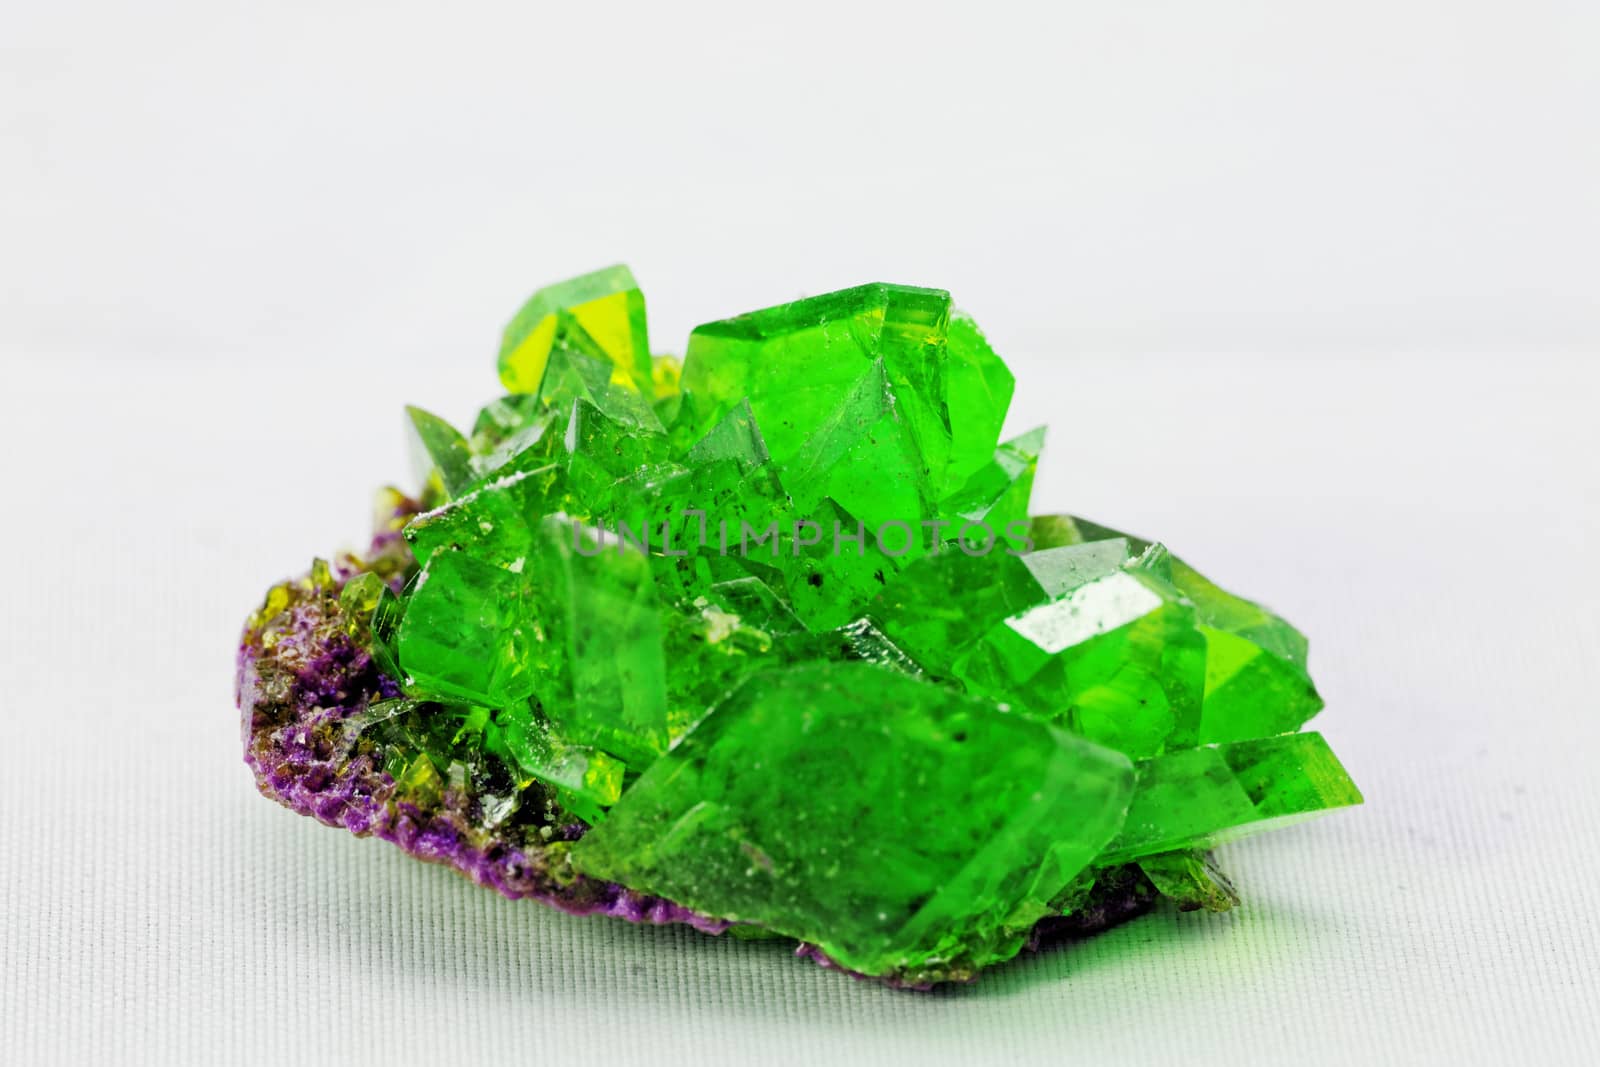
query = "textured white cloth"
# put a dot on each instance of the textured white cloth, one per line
(1428, 523)
(235, 239)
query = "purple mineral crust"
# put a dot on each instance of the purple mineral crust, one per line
(302, 687)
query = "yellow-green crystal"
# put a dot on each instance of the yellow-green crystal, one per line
(600, 315)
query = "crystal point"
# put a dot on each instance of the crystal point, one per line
(600, 315)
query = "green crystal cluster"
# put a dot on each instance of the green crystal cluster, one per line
(776, 628)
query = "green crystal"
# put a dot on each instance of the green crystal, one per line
(419, 783)
(372, 616)
(852, 394)
(572, 375)
(442, 449)
(491, 523)
(385, 633)
(586, 780)
(1203, 796)
(601, 452)
(1190, 879)
(735, 438)
(942, 605)
(1081, 635)
(508, 428)
(977, 391)
(597, 662)
(466, 635)
(1256, 683)
(1116, 659)
(995, 496)
(897, 824)
(711, 649)
(781, 631)
(359, 599)
(502, 419)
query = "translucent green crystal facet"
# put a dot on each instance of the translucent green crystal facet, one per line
(442, 449)
(586, 779)
(781, 632)
(1190, 879)
(1116, 659)
(490, 523)
(1256, 683)
(893, 822)
(465, 634)
(1203, 796)
(853, 393)
(599, 672)
(977, 391)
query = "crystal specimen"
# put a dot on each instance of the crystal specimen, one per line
(770, 642)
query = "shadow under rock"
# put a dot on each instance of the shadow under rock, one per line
(372, 906)
(1064, 960)
(351, 902)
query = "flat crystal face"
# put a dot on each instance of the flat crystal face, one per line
(774, 634)
(895, 823)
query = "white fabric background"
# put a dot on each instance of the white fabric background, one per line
(1308, 296)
